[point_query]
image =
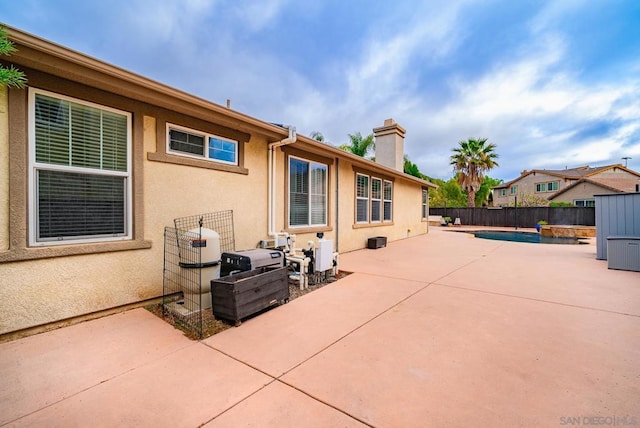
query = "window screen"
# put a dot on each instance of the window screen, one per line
(80, 171)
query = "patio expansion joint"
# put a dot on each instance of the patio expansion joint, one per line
(242, 399)
(109, 379)
(536, 300)
(278, 379)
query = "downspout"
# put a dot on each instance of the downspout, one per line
(337, 205)
(292, 138)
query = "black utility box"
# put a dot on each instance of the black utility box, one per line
(240, 295)
(241, 261)
(377, 242)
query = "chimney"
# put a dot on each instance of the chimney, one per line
(390, 145)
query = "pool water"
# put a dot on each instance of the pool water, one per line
(530, 237)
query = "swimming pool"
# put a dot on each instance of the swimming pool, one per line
(530, 237)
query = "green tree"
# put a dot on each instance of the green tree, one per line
(10, 76)
(412, 169)
(317, 136)
(484, 192)
(470, 161)
(448, 194)
(359, 145)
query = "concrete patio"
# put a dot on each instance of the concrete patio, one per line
(439, 330)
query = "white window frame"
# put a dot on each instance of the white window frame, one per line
(547, 186)
(326, 195)
(503, 192)
(34, 167)
(390, 201)
(206, 136)
(513, 190)
(425, 204)
(585, 201)
(363, 198)
(378, 200)
(368, 200)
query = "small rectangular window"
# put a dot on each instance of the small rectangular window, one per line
(584, 202)
(503, 192)
(188, 142)
(223, 150)
(514, 190)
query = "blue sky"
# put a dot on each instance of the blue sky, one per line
(553, 84)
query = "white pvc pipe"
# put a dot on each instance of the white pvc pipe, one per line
(292, 138)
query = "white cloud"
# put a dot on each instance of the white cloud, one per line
(258, 14)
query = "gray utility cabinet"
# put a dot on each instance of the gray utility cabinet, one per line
(617, 214)
(624, 252)
(240, 295)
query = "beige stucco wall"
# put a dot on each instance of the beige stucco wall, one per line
(581, 191)
(527, 186)
(407, 221)
(36, 292)
(346, 234)
(4, 170)
(40, 291)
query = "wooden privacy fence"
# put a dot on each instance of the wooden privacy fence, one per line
(519, 217)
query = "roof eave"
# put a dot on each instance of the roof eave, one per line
(37, 53)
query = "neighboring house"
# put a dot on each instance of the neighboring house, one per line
(95, 161)
(576, 186)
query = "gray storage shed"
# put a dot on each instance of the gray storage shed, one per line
(617, 214)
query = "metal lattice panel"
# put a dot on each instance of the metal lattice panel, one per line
(220, 221)
(182, 271)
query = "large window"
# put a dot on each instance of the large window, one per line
(188, 142)
(80, 180)
(307, 193)
(388, 201)
(362, 198)
(374, 199)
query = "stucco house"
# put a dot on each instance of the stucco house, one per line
(95, 161)
(576, 185)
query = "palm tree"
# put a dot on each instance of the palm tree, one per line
(360, 145)
(316, 135)
(470, 161)
(10, 76)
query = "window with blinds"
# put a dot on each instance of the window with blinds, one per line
(81, 170)
(374, 199)
(388, 201)
(425, 204)
(307, 193)
(362, 198)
